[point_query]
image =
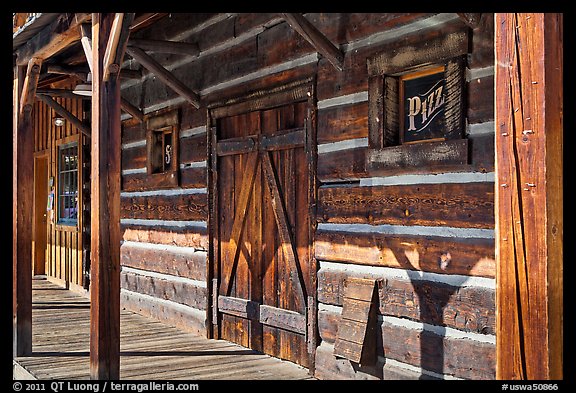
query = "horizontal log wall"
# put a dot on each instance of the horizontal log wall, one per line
(427, 232)
(165, 243)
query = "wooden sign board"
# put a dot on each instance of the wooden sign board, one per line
(422, 105)
(356, 339)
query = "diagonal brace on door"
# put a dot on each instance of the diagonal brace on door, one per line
(281, 216)
(239, 220)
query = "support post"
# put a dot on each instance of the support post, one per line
(529, 195)
(22, 199)
(105, 207)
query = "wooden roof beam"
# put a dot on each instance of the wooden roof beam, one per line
(316, 38)
(86, 40)
(126, 106)
(65, 93)
(116, 45)
(164, 75)
(133, 110)
(53, 38)
(171, 47)
(30, 85)
(81, 72)
(146, 20)
(65, 113)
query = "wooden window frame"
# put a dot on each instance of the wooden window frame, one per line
(385, 70)
(436, 69)
(167, 122)
(62, 223)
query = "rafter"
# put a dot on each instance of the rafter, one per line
(54, 38)
(164, 75)
(65, 113)
(172, 47)
(316, 38)
(145, 20)
(132, 110)
(81, 71)
(116, 44)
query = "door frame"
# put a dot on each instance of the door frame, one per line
(42, 155)
(288, 93)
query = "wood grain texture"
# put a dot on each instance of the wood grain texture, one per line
(165, 344)
(483, 42)
(175, 291)
(53, 38)
(134, 157)
(165, 76)
(429, 155)
(132, 132)
(469, 309)
(480, 100)
(332, 368)
(469, 205)
(354, 78)
(25, 81)
(193, 177)
(343, 122)
(342, 165)
(424, 348)
(105, 208)
(474, 257)
(185, 207)
(184, 237)
(144, 181)
(315, 37)
(189, 265)
(356, 163)
(193, 149)
(529, 195)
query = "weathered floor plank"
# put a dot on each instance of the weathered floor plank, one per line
(149, 349)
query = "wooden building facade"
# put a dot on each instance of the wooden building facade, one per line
(329, 189)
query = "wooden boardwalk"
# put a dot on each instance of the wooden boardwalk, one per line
(150, 350)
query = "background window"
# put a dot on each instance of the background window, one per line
(68, 184)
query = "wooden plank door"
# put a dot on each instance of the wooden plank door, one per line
(263, 238)
(39, 241)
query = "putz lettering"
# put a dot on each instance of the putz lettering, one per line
(425, 107)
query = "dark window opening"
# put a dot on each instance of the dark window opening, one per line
(162, 151)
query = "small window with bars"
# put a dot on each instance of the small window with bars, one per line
(68, 184)
(162, 145)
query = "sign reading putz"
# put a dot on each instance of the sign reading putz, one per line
(422, 105)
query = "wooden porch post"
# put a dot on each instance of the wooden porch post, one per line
(529, 195)
(22, 197)
(105, 211)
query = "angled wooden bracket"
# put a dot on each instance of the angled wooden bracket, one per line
(116, 45)
(316, 38)
(164, 75)
(161, 46)
(86, 41)
(65, 113)
(356, 339)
